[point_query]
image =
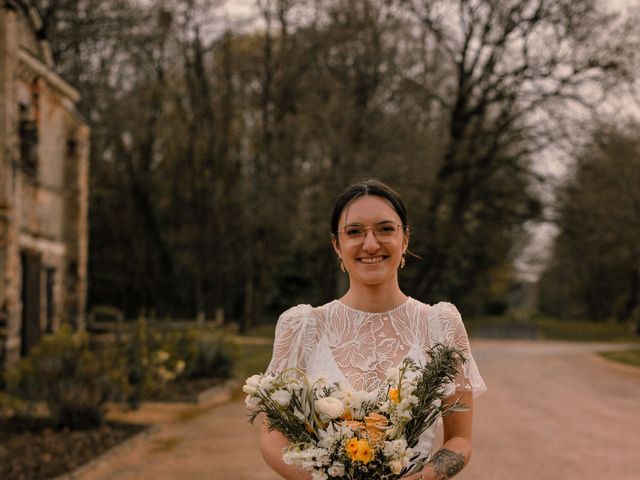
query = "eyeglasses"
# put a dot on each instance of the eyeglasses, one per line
(384, 232)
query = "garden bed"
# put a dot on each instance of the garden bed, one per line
(32, 449)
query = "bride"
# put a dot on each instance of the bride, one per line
(355, 339)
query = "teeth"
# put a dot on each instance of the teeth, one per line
(372, 260)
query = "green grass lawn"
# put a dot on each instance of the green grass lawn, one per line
(585, 331)
(250, 359)
(630, 357)
(557, 329)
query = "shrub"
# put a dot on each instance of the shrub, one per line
(149, 360)
(205, 354)
(74, 381)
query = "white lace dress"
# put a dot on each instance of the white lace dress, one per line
(356, 348)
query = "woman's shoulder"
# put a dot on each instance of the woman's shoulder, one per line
(297, 310)
(443, 308)
(296, 315)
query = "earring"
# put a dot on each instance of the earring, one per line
(342, 265)
(403, 259)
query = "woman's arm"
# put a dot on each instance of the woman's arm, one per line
(456, 448)
(271, 445)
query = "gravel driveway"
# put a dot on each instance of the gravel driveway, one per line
(553, 411)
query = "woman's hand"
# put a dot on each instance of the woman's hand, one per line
(271, 445)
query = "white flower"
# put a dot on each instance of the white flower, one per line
(282, 397)
(330, 407)
(412, 399)
(336, 469)
(251, 384)
(252, 403)
(266, 383)
(394, 448)
(393, 375)
(318, 475)
(395, 466)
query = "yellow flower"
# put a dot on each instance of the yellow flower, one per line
(394, 395)
(365, 452)
(359, 450)
(352, 448)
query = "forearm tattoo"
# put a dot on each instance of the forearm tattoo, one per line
(446, 463)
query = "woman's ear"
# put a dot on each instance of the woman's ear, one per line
(405, 239)
(336, 245)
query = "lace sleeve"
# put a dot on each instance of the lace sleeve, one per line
(450, 331)
(295, 333)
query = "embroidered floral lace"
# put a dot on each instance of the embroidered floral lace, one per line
(356, 348)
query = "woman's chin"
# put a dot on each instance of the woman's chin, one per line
(372, 278)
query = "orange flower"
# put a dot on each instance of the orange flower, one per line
(375, 425)
(352, 448)
(365, 452)
(354, 424)
(394, 395)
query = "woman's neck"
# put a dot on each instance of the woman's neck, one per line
(377, 298)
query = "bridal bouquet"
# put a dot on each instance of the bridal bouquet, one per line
(344, 434)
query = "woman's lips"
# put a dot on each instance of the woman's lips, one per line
(371, 260)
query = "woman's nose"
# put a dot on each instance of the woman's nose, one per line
(370, 242)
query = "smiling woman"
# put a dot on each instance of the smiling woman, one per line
(356, 340)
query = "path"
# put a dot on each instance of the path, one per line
(553, 410)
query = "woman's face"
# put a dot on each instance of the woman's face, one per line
(371, 262)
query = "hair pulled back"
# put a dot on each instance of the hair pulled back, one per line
(368, 187)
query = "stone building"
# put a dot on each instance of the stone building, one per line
(43, 189)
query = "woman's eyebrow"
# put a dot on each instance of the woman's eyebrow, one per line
(376, 223)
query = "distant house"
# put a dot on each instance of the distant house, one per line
(43, 189)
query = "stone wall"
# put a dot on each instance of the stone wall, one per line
(43, 190)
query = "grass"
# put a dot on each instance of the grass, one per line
(265, 330)
(585, 331)
(250, 359)
(546, 328)
(629, 357)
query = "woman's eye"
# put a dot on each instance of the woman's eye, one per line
(386, 228)
(354, 231)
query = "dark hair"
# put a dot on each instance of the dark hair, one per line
(368, 187)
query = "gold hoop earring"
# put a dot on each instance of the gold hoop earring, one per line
(403, 260)
(342, 265)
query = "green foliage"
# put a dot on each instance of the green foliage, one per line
(215, 159)
(9, 404)
(148, 359)
(595, 270)
(155, 355)
(204, 353)
(74, 381)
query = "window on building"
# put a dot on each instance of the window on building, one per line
(28, 132)
(50, 282)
